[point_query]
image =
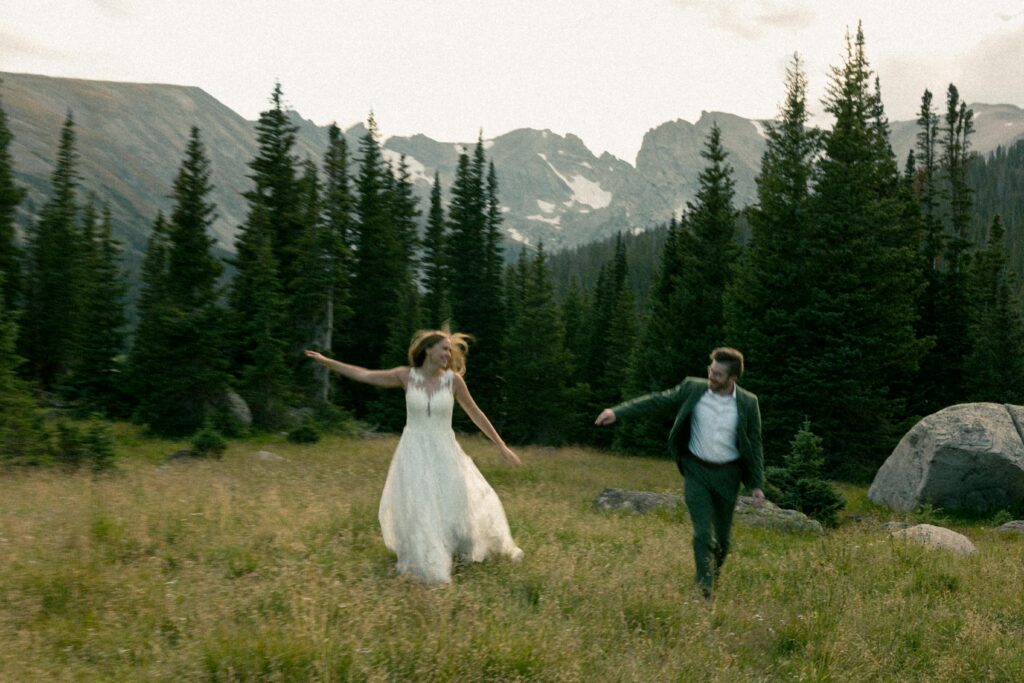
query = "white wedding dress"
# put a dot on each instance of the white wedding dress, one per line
(436, 504)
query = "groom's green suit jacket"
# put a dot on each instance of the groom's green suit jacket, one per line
(685, 396)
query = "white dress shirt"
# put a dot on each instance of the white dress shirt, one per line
(713, 428)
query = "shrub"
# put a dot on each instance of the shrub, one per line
(208, 442)
(76, 447)
(306, 433)
(798, 484)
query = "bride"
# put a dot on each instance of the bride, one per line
(436, 504)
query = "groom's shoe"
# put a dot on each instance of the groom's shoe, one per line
(709, 596)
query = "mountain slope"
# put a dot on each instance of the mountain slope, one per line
(131, 138)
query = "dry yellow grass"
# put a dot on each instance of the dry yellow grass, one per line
(244, 570)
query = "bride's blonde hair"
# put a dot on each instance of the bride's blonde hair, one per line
(424, 339)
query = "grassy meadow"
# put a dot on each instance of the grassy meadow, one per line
(241, 569)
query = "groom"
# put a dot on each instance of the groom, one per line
(716, 443)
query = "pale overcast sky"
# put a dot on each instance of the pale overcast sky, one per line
(606, 70)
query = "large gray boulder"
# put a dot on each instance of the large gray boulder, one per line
(939, 537)
(966, 457)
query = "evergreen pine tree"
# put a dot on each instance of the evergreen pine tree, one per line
(995, 361)
(464, 248)
(387, 408)
(192, 379)
(535, 410)
(264, 381)
(48, 323)
(10, 197)
(956, 155)
(326, 262)
(489, 377)
(657, 363)
(95, 372)
(934, 390)
(306, 309)
(862, 256)
(380, 270)
(146, 357)
(709, 251)
(575, 313)
(798, 483)
(767, 300)
(612, 336)
(404, 213)
(276, 188)
(436, 306)
(281, 206)
(475, 271)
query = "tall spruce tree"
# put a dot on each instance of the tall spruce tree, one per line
(276, 207)
(475, 270)
(380, 270)
(995, 361)
(575, 314)
(612, 330)
(95, 380)
(264, 380)
(192, 379)
(436, 305)
(536, 407)
(387, 409)
(305, 310)
(767, 300)
(956, 156)
(325, 268)
(861, 258)
(404, 214)
(489, 375)
(152, 310)
(10, 197)
(657, 363)
(708, 250)
(49, 320)
(464, 247)
(275, 176)
(934, 390)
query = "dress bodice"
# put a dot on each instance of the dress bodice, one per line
(429, 400)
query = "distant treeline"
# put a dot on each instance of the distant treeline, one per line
(860, 288)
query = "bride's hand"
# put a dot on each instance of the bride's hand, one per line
(510, 456)
(314, 355)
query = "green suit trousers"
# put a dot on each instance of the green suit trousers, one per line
(710, 494)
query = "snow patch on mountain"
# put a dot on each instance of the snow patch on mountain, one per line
(517, 236)
(417, 171)
(546, 207)
(544, 219)
(584, 190)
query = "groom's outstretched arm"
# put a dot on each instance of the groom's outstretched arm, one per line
(670, 398)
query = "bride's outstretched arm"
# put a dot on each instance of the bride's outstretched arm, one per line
(378, 378)
(465, 400)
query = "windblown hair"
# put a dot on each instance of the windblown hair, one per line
(424, 339)
(730, 358)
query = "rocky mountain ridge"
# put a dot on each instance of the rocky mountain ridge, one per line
(131, 138)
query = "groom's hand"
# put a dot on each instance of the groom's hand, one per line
(606, 417)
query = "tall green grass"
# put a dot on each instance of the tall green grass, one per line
(244, 570)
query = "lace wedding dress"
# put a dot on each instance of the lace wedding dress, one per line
(436, 504)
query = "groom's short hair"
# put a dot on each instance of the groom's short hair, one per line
(730, 358)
